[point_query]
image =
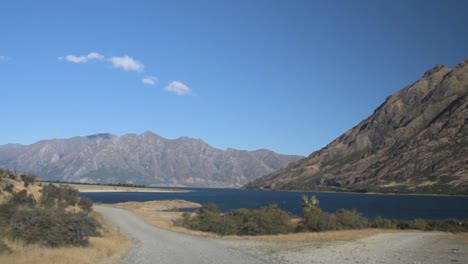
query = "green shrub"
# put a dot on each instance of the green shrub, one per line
(6, 211)
(8, 188)
(85, 204)
(316, 220)
(419, 224)
(350, 219)
(28, 179)
(447, 225)
(267, 220)
(22, 198)
(12, 175)
(52, 228)
(208, 208)
(380, 222)
(312, 220)
(62, 195)
(184, 221)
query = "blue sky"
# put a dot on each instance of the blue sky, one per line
(284, 75)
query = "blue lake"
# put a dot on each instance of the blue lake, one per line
(370, 205)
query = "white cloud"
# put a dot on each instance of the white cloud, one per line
(151, 80)
(3, 58)
(82, 59)
(127, 63)
(178, 88)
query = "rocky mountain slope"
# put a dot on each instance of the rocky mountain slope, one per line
(416, 141)
(140, 159)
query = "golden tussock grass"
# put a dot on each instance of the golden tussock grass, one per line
(18, 186)
(106, 250)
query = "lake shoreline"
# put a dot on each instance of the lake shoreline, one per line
(102, 188)
(400, 207)
(142, 190)
(369, 193)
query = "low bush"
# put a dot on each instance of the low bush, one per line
(314, 219)
(265, 221)
(48, 223)
(419, 224)
(350, 219)
(209, 219)
(447, 225)
(8, 188)
(22, 198)
(62, 195)
(52, 228)
(28, 179)
(85, 204)
(380, 222)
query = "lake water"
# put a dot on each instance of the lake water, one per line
(370, 205)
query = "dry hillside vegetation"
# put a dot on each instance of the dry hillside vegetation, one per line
(415, 142)
(52, 224)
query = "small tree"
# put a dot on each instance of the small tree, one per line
(28, 179)
(8, 188)
(85, 204)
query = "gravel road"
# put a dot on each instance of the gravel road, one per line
(388, 248)
(154, 245)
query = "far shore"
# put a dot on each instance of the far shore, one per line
(367, 193)
(98, 188)
(123, 189)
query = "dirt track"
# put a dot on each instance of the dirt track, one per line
(155, 245)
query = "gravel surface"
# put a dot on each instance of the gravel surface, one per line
(389, 248)
(154, 245)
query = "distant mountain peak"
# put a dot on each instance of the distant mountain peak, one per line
(101, 136)
(142, 159)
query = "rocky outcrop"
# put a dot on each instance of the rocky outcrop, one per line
(141, 159)
(416, 141)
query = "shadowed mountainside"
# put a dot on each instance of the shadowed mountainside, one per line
(415, 142)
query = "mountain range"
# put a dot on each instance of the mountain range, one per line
(415, 142)
(147, 159)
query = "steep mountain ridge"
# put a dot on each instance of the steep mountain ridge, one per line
(141, 159)
(416, 141)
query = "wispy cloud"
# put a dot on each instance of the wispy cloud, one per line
(3, 58)
(127, 63)
(151, 80)
(178, 87)
(82, 59)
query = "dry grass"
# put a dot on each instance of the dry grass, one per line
(107, 249)
(156, 213)
(17, 186)
(458, 237)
